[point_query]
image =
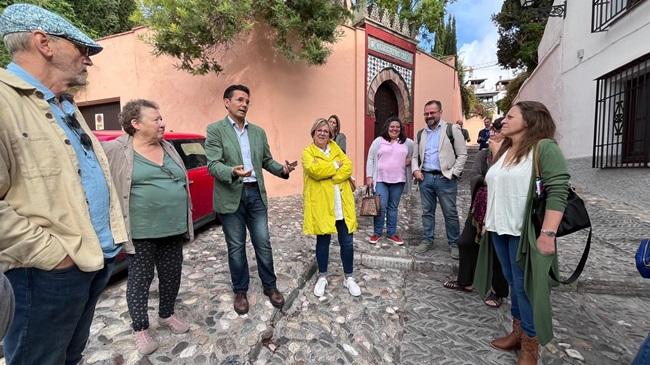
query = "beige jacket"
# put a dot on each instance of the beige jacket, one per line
(450, 164)
(43, 211)
(120, 156)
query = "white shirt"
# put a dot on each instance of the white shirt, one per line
(507, 193)
(338, 205)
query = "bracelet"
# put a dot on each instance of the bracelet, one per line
(548, 232)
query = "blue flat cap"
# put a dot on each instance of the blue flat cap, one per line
(25, 18)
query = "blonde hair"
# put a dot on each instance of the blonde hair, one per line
(319, 123)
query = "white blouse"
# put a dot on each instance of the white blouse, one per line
(338, 204)
(507, 193)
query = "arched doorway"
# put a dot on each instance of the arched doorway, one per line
(385, 106)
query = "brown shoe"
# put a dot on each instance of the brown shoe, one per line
(529, 350)
(275, 297)
(241, 303)
(511, 341)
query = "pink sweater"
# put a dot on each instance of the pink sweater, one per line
(391, 162)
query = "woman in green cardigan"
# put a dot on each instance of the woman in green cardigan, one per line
(524, 257)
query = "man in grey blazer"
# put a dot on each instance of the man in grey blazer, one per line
(437, 167)
(237, 151)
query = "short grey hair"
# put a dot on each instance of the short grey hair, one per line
(16, 42)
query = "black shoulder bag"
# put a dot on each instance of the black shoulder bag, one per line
(575, 218)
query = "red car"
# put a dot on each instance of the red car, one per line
(190, 148)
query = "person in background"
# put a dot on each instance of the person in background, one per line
(388, 169)
(484, 134)
(338, 136)
(468, 243)
(150, 178)
(329, 203)
(525, 257)
(60, 220)
(464, 131)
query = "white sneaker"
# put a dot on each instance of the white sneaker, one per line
(352, 286)
(319, 288)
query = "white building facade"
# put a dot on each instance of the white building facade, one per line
(594, 76)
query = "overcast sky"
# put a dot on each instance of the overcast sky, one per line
(477, 37)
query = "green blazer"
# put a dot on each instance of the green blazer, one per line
(223, 152)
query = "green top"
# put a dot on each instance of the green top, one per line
(158, 201)
(536, 266)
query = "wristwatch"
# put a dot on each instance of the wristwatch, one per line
(547, 232)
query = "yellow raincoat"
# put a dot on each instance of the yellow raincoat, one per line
(320, 176)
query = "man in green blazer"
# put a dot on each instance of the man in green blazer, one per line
(237, 152)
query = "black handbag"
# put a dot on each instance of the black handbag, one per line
(575, 218)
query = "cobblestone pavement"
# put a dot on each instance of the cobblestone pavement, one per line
(402, 316)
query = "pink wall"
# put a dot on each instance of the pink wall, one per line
(435, 80)
(286, 97)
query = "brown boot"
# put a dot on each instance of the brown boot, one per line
(511, 341)
(529, 350)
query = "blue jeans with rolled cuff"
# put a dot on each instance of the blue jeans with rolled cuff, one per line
(389, 195)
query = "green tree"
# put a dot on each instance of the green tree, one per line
(104, 17)
(197, 32)
(97, 18)
(520, 31)
(424, 15)
(445, 39)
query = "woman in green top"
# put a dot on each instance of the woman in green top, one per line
(152, 182)
(525, 258)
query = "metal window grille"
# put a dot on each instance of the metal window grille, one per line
(605, 12)
(622, 124)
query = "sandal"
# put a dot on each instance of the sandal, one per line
(453, 284)
(493, 301)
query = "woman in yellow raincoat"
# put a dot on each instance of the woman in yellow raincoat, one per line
(329, 203)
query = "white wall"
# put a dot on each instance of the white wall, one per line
(565, 82)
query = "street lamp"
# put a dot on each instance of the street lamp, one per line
(553, 11)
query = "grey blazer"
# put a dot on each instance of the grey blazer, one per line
(120, 158)
(451, 165)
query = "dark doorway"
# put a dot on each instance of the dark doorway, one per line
(385, 106)
(102, 116)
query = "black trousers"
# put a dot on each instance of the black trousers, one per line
(166, 255)
(467, 256)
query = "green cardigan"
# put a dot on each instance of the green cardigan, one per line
(223, 152)
(537, 281)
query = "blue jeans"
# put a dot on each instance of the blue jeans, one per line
(251, 213)
(438, 187)
(643, 356)
(506, 248)
(347, 250)
(54, 310)
(389, 194)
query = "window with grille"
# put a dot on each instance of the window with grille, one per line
(605, 12)
(622, 125)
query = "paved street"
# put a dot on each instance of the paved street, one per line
(403, 316)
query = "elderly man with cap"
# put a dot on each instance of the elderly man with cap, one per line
(60, 218)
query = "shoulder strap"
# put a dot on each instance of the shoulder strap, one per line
(579, 268)
(419, 135)
(450, 135)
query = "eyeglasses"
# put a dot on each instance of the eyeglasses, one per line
(73, 123)
(83, 49)
(170, 174)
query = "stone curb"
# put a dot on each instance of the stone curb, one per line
(636, 288)
(278, 314)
